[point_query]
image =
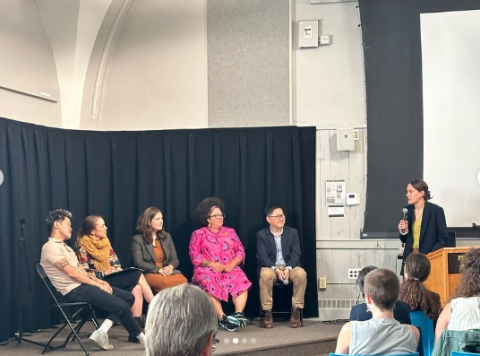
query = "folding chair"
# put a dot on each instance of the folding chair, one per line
(86, 308)
(421, 320)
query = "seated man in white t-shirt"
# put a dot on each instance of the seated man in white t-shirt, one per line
(382, 334)
(61, 266)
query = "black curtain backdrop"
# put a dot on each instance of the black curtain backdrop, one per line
(393, 73)
(119, 174)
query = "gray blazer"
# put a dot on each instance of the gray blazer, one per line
(143, 255)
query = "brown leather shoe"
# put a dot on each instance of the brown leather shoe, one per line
(295, 318)
(266, 321)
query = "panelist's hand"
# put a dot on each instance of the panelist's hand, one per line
(217, 266)
(167, 270)
(286, 274)
(229, 267)
(279, 273)
(106, 288)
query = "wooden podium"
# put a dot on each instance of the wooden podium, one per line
(445, 274)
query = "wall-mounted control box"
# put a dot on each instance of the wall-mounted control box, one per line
(307, 33)
(352, 199)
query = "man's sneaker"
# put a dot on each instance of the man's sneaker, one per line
(101, 339)
(242, 319)
(229, 323)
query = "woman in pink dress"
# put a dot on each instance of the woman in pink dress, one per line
(217, 254)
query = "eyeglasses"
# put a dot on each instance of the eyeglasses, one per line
(278, 217)
(215, 342)
(217, 216)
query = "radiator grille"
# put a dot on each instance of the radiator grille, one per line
(326, 303)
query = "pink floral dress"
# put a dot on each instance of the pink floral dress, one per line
(222, 247)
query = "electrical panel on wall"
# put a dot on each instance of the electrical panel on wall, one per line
(307, 33)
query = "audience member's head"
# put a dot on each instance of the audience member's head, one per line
(383, 287)
(413, 292)
(417, 267)
(469, 285)
(362, 274)
(181, 321)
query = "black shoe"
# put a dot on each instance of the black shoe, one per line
(140, 321)
(242, 319)
(133, 339)
(229, 323)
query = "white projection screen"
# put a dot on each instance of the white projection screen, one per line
(451, 104)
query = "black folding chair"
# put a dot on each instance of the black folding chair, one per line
(81, 307)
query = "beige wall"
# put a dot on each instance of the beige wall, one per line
(329, 90)
(148, 68)
(29, 89)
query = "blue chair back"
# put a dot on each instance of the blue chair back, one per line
(461, 353)
(421, 320)
(412, 354)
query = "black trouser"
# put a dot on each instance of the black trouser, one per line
(117, 304)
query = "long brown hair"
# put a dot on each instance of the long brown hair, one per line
(144, 224)
(413, 292)
(89, 224)
(469, 286)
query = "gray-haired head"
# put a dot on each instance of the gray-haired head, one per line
(180, 322)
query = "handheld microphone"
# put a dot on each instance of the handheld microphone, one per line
(404, 218)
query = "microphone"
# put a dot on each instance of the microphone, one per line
(23, 221)
(404, 218)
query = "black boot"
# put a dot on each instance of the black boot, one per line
(140, 321)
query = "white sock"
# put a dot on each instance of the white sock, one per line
(106, 325)
(142, 339)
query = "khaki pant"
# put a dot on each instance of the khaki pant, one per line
(268, 276)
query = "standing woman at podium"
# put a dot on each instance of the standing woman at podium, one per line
(424, 228)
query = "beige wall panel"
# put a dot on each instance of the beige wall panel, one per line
(329, 88)
(27, 65)
(340, 165)
(155, 76)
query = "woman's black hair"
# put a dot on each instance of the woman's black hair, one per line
(202, 212)
(56, 215)
(362, 274)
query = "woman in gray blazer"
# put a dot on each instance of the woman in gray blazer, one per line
(153, 251)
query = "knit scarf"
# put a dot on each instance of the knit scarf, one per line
(98, 250)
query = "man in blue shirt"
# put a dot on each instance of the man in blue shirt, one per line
(278, 257)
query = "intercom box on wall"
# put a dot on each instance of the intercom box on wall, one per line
(352, 199)
(345, 140)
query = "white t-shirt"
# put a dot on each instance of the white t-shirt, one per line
(53, 251)
(464, 314)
